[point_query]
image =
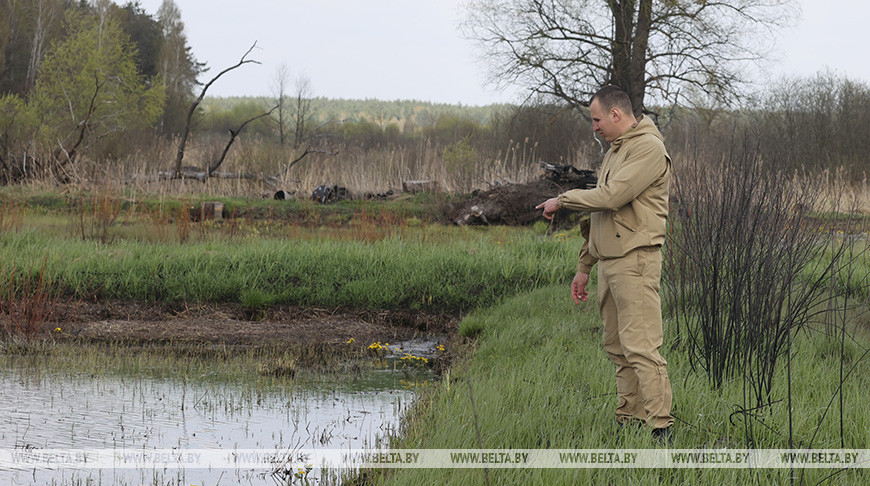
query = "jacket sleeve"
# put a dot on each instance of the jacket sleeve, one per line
(641, 168)
(586, 260)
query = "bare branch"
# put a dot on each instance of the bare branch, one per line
(233, 134)
(184, 134)
(82, 126)
(308, 150)
(567, 49)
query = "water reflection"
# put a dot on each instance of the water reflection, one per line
(53, 409)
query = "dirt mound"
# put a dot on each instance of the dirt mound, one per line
(514, 204)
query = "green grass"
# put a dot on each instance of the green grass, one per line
(455, 269)
(540, 379)
(423, 206)
(535, 365)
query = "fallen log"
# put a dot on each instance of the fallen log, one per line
(420, 186)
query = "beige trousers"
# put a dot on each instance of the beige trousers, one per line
(628, 298)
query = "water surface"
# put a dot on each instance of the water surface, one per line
(50, 408)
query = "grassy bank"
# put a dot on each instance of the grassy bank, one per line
(428, 268)
(536, 370)
(540, 379)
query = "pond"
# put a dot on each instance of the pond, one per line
(50, 408)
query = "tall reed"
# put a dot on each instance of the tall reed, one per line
(27, 300)
(11, 214)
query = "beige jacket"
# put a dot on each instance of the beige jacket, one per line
(629, 205)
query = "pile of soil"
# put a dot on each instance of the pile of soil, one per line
(514, 204)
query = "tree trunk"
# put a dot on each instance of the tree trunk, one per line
(637, 69)
(184, 134)
(631, 23)
(620, 44)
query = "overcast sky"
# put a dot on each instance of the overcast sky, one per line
(412, 49)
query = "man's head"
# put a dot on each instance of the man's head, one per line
(611, 112)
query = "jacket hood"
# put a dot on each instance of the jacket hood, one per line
(644, 126)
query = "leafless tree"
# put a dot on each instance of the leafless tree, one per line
(282, 80)
(570, 48)
(183, 141)
(214, 165)
(302, 110)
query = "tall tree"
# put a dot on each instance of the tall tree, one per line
(282, 81)
(146, 35)
(88, 89)
(177, 66)
(27, 29)
(45, 14)
(569, 48)
(302, 108)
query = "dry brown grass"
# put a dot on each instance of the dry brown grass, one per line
(838, 192)
(11, 214)
(372, 170)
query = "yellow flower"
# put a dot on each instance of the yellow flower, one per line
(57, 329)
(350, 340)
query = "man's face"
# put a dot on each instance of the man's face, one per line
(603, 122)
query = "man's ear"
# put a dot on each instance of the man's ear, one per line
(615, 114)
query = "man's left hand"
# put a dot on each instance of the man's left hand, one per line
(550, 206)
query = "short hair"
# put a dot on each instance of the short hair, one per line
(610, 97)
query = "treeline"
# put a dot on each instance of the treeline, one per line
(81, 77)
(800, 125)
(110, 86)
(405, 113)
(805, 125)
(557, 132)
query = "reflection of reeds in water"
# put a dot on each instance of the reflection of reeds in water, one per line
(159, 401)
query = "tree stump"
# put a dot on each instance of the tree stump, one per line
(211, 210)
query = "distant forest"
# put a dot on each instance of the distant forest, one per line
(108, 88)
(414, 114)
(557, 131)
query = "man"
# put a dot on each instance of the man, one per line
(624, 235)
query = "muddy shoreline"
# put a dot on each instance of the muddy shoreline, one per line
(231, 325)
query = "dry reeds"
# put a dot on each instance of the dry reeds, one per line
(11, 214)
(360, 169)
(751, 261)
(96, 214)
(27, 302)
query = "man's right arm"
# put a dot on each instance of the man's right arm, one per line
(584, 266)
(585, 261)
(578, 287)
